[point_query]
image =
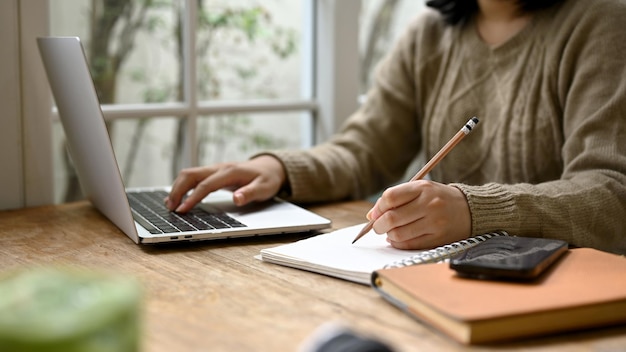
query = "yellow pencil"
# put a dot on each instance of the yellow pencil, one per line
(467, 128)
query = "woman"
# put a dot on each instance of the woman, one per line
(547, 79)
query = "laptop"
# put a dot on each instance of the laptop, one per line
(140, 213)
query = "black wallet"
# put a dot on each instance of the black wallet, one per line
(509, 258)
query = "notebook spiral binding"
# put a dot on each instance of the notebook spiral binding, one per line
(444, 253)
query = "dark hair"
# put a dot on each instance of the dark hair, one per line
(460, 11)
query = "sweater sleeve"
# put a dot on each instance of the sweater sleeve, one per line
(587, 205)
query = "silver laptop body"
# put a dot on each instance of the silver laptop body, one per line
(98, 172)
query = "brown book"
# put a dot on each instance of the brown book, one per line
(586, 288)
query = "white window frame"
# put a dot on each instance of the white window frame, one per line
(26, 136)
(11, 131)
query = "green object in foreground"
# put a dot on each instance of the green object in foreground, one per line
(68, 310)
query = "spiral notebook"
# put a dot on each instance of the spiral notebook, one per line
(333, 254)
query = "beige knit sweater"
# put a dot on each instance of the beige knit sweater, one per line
(548, 158)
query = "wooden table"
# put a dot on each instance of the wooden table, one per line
(215, 296)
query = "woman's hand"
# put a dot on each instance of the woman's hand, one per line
(254, 180)
(421, 214)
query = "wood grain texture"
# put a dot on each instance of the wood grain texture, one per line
(215, 296)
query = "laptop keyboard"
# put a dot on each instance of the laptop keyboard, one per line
(149, 211)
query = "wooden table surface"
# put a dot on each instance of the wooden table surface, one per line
(215, 296)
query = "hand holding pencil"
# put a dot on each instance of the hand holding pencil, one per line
(466, 129)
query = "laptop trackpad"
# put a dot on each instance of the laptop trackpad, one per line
(227, 206)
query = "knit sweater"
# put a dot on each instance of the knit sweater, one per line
(548, 158)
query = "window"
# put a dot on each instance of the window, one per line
(263, 74)
(191, 82)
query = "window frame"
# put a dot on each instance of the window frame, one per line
(26, 134)
(330, 51)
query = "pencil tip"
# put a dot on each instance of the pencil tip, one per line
(364, 230)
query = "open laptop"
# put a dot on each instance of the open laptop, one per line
(140, 213)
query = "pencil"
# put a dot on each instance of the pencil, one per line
(464, 131)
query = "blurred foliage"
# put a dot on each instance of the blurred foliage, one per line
(116, 25)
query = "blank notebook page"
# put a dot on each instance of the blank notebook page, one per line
(334, 254)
